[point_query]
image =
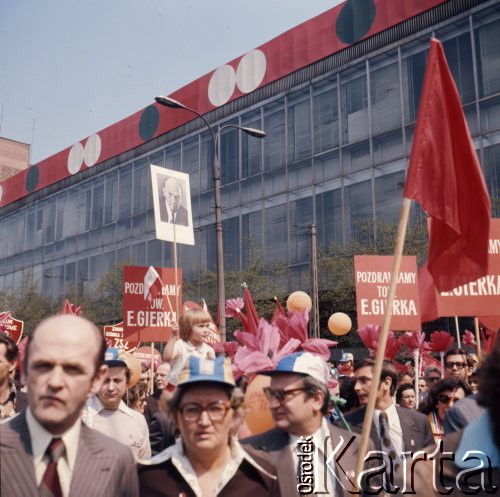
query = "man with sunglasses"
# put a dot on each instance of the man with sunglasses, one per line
(299, 401)
(457, 364)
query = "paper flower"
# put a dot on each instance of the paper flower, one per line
(468, 338)
(69, 308)
(370, 336)
(440, 341)
(233, 307)
(414, 340)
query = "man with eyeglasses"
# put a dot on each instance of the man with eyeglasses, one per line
(299, 401)
(456, 364)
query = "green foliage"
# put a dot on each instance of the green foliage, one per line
(26, 303)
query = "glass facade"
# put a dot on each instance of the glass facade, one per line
(335, 153)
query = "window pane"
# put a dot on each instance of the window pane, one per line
(111, 197)
(329, 217)
(358, 208)
(231, 237)
(142, 186)
(97, 204)
(274, 143)
(276, 230)
(125, 197)
(326, 116)
(251, 237)
(299, 126)
(388, 196)
(251, 147)
(488, 46)
(354, 104)
(229, 155)
(300, 220)
(190, 163)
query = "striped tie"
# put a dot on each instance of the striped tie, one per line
(391, 458)
(50, 486)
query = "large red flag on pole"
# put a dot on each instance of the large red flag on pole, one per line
(445, 178)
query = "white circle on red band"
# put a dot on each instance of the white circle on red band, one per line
(251, 71)
(222, 85)
(75, 158)
(92, 150)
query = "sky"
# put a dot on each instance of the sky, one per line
(69, 68)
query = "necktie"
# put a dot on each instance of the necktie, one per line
(51, 486)
(172, 219)
(391, 458)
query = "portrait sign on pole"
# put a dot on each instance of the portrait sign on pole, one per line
(151, 302)
(114, 337)
(172, 205)
(373, 274)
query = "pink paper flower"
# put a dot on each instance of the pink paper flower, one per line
(370, 336)
(414, 340)
(441, 341)
(468, 338)
(233, 307)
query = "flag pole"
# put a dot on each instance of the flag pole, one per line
(151, 385)
(379, 357)
(457, 328)
(478, 338)
(175, 276)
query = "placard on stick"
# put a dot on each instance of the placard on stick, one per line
(372, 275)
(151, 302)
(114, 336)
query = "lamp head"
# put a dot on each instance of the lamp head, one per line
(257, 133)
(169, 102)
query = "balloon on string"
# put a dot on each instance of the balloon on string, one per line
(258, 418)
(298, 301)
(339, 323)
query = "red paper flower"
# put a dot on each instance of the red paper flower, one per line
(69, 308)
(441, 341)
(468, 338)
(370, 336)
(414, 340)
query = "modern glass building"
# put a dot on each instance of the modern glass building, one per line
(338, 101)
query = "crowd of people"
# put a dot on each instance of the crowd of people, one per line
(81, 425)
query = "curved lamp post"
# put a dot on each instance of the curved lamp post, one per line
(257, 133)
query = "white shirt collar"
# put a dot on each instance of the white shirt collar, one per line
(95, 404)
(40, 439)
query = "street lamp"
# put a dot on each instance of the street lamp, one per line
(257, 133)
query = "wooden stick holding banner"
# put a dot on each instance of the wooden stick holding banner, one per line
(457, 328)
(478, 338)
(379, 357)
(176, 282)
(151, 385)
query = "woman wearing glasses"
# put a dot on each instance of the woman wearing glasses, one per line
(441, 396)
(207, 459)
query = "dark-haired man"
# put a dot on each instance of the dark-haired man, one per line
(12, 400)
(457, 364)
(107, 413)
(46, 450)
(408, 430)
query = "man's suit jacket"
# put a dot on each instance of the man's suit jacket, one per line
(461, 414)
(417, 432)
(181, 217)
(161, 433)
(103, 466)
(274, 446)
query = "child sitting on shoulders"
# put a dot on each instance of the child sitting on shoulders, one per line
(194, 327)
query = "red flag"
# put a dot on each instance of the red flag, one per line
(445, 178)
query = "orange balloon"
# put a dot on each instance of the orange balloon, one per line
(298, 301)
(258, 418)
(339, 324)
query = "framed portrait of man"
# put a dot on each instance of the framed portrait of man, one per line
(172, 205)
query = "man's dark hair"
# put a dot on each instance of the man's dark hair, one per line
(12, 352)
(312, 385)
(489, 388)
(388, 370)
(457, 351)
(402, 388)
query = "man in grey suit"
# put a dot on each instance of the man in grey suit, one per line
(299, 401)
(408, 430)
(46, 449)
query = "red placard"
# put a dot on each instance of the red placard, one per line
(13, 328)
(144, 355)
(480, 297)
(373, 275)
(115, 338)
(152, 298)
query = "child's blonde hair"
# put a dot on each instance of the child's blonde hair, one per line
(191, 318)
